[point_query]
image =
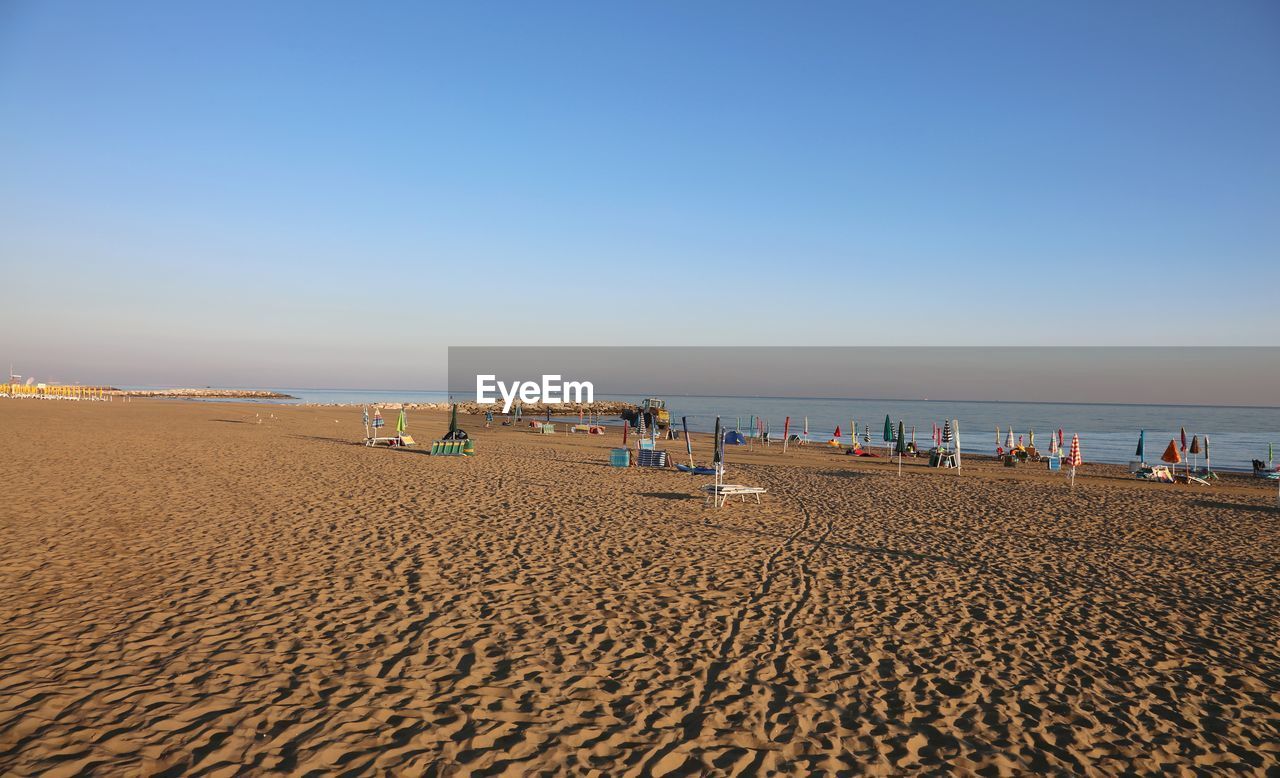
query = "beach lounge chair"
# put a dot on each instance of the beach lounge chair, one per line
(1158, 473)
(1054, 462)
(452, 448)
(719, 492)
(651, 458)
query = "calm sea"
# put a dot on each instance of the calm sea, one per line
(1108, 433)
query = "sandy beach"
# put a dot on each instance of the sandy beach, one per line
(227, 588)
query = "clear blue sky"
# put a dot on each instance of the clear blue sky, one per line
(330, 194)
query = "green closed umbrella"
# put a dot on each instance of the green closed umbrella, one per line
(901, 446)
(402, 423)
(453, 419)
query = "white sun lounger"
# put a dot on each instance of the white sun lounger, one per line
(719, 493)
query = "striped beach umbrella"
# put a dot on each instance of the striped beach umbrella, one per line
(1008, 444)
(946, 431)
(1074, 459)
(377, 418)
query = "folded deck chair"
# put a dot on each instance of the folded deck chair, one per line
(452, 448)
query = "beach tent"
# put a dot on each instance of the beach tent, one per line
(734, 438)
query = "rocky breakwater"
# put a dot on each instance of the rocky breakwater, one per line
(531, 409)
(241, 394)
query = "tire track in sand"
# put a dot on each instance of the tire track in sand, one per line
(692, 721)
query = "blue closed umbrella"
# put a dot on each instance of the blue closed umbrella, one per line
(1141, 453)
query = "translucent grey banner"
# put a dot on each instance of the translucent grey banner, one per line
(1219, 376)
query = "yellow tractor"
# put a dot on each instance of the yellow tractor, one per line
(655, 414)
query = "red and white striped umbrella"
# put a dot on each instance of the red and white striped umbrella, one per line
(1074, 459)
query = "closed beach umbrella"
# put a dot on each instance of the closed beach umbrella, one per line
(901, 447)
(718, 457)
(1008, 444)
(837, 435)
(997, 435)
(1270, 455)
(688, 444)
(1031, 437)
(1141, 452)
(1184, 439)
(1074, 459)
(377, 418)
(1060, 439)
(402, 423)
(888, 429)
(1171, 454)
(453, 419)
(946, 431)
(1195, 444)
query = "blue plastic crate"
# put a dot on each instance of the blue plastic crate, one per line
(620, 457)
